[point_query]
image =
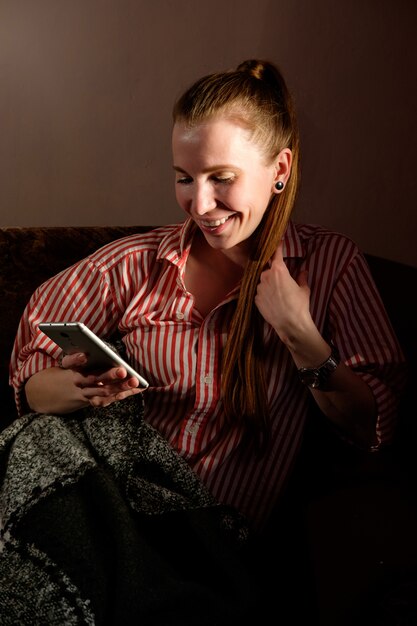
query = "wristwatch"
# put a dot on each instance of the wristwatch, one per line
(316, 377)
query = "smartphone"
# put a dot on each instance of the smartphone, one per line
(75, 337)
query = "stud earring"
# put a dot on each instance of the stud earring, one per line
(279, 186)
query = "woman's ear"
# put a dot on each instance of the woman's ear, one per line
(282, 165)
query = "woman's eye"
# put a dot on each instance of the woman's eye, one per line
(184, 181)
(223, 179)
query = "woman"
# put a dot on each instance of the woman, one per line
(240, 319)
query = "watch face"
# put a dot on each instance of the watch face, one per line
(316, 377)
(310, 377)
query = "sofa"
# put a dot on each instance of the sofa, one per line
(358, 510)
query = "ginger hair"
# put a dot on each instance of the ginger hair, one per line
(256, 96)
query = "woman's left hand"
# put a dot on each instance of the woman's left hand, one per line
(284, 302)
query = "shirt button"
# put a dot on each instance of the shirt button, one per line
(179, 316)
(208, 379)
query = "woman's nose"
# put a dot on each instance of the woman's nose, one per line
(203, 199)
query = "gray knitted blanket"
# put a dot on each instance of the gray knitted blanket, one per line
(103, 523)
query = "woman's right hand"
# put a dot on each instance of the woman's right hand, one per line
(69, 387)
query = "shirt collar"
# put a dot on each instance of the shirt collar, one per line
(175, 245)
(292, 244)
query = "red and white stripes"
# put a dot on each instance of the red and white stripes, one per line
(135, 286)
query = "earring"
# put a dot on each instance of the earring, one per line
(279, 186)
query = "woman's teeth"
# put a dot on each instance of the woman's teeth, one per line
(214, 223)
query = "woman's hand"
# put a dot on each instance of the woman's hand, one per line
(100, 388)
(284, 302)
(69, 387)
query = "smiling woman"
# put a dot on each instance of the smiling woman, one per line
(245, 300)
(224, 181)
(241, 321)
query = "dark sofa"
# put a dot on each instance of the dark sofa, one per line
(358, 510)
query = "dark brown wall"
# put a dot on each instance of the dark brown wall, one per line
(86, 88)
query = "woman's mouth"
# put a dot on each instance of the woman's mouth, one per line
(212, 225)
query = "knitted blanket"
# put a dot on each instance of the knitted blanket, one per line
(103, 523)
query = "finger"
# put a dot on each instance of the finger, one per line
(104, 386)
(101, 393)
(72, 361)
(100, 390)
(103, 401)
(130, 383)
(97, 401)
(126, 394)
(116, 375)
(111, 375)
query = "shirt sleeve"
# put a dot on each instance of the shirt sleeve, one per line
(80, 293)
(361, 329)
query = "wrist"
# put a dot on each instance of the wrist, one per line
(308, 348)
(317, 377)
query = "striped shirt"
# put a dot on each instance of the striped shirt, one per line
(135, 286)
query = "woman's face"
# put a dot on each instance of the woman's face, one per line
(223, 180)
